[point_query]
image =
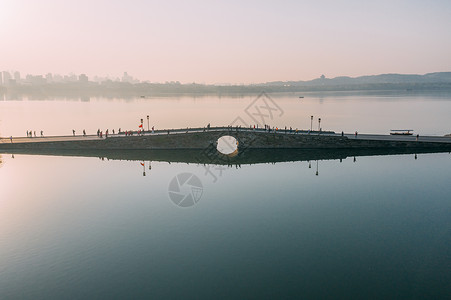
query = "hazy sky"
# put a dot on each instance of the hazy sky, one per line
(225, 41)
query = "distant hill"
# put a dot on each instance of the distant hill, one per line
(366, 82)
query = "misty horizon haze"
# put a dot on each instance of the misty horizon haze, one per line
(19, 78)
(225, 42)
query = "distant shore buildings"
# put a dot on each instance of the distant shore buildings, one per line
(13, 78)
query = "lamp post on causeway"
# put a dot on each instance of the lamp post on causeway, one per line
(319, 124)
(148, 127)
(311, 123)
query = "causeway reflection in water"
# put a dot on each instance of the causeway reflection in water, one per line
(212, 156)
(373, 225)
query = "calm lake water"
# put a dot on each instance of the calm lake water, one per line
(425, 113)
(370, 227)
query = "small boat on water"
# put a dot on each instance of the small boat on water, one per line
(401, 132)
(301, 96)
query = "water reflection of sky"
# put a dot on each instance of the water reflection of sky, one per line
(93, 225)
(366, 113)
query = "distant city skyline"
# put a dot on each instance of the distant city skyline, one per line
(14, 78)
(8, 77)
(230, 42)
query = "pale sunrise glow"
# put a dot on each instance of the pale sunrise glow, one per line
(225, 41)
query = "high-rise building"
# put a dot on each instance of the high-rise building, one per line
(49, 77)
(1, 78)
(17, 76)
(127, 78)
(83, 78)
(6, 77)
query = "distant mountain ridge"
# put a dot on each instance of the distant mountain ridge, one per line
(437, 77)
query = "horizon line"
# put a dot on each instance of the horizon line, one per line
(64, 78)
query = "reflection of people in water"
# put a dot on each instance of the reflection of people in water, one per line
(317, 168)
(144, 168)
